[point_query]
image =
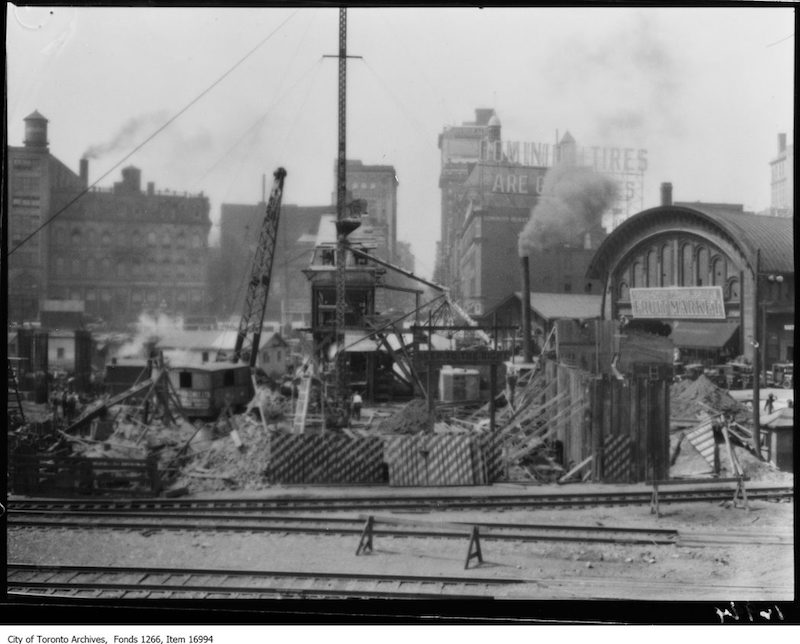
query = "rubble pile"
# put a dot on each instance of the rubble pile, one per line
(410, 419)
(230, 454)
(690, 399)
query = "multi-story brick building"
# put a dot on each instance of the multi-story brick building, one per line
(33, 175)
(121, 251)
(377, 185)
(782, 180)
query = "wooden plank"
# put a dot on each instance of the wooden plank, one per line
(575, 469)
(392, 520)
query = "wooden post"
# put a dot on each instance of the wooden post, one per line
(474, 550)
(756, 359)
(365, 543)
(492, 387)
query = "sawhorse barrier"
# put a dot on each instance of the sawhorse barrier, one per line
(740, 493)
(365, 544)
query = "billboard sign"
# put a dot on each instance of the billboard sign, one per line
(690, 303)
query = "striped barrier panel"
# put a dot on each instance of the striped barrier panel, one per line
(488, 456)
(617, 459)
(325, 458)
(441, 460)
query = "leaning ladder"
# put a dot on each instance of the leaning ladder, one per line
(301, 406)
(13, 388)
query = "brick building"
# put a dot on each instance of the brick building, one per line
(121, 250)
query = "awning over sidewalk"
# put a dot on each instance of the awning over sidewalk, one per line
(702, 335)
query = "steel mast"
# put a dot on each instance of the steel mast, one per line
(340, 370)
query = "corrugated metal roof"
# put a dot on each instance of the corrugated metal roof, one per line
(773, 235)
(571, 306)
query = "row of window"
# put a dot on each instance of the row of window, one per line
(79, 267)
(697, 265)
(78, 236)
(125, 296)
(31, 201)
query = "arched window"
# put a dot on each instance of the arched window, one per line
(624, 292)
(195, 241)
(734, 292)
(105, 266)
(60, 265)
(638, 275)
(718, 275)
(686, 276)
(75, 236)
(151, 238)
(701, 267)
(76, 266)
(106, 238)
(166, 240)
(666, 265)
(91, 266)
(652, 268)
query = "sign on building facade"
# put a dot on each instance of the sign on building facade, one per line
(690, 302)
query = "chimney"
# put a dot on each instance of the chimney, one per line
(151, 188)
(782, 142)
(527, 349)
(84, 165)
(666, 194)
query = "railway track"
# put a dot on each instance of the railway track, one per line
(92, 582)
(411, 503)
(216, 522)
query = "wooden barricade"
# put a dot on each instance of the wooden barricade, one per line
(76, 476)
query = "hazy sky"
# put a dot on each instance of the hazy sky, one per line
(705, 91)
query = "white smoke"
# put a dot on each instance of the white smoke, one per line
(148, 330)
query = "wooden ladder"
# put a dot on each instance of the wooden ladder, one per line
(301, 406)
(13, 389)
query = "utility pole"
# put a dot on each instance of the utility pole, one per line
(756, 357)
(344, 224)
(341, 195)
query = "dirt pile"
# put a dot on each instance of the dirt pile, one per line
(691, 399)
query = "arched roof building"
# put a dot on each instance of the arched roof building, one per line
(721, 277)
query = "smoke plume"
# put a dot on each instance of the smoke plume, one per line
(149, 328)
(128, 134)
(573, 201)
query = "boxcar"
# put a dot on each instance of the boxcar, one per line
(205, 390)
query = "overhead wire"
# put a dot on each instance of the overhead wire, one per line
(158, 131)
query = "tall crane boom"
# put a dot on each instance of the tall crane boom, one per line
(255, 305)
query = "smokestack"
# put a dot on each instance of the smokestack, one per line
(666, 194)
(782, 142)
(151, 188)
(84, 165)
(527, 350)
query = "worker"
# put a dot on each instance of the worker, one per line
(769, 406)
(357, 402)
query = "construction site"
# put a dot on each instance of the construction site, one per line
(418, 453)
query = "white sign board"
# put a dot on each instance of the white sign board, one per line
(689, 302)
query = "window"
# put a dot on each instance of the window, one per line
(652, 268)
(666, 265)
(718, 271)
(60, 353)
(686, 265)
(228, 378)
(701, 267)
(106, 238)
(185, 379)
(75, 237)
(76, 266)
